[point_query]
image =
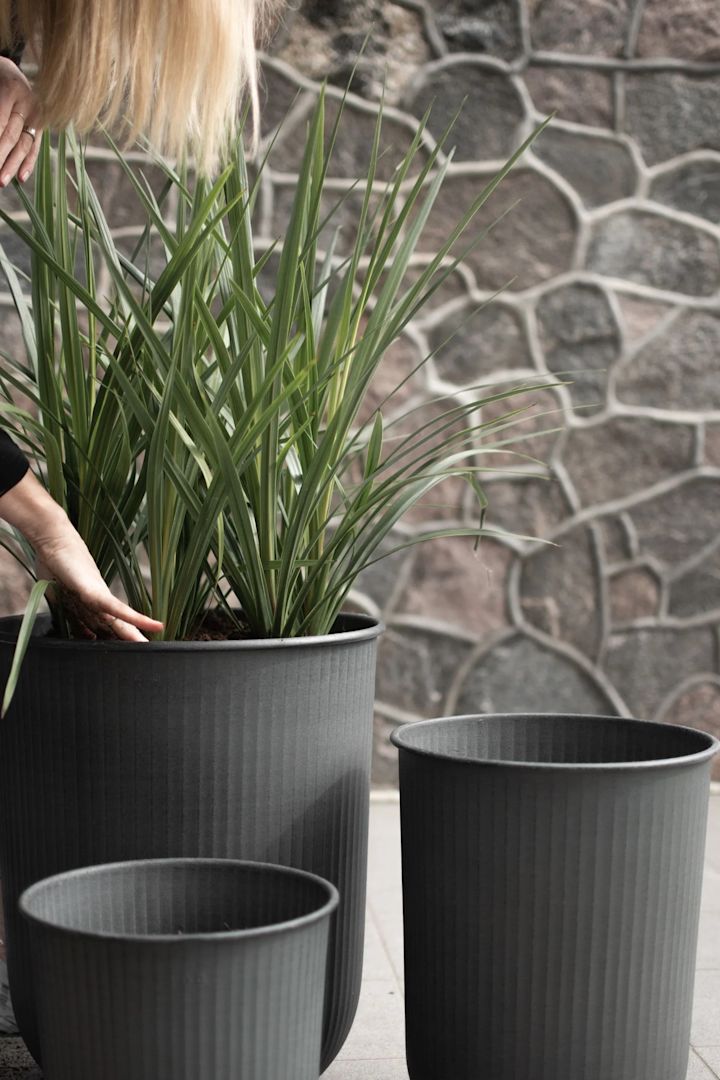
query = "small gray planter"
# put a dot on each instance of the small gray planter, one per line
(180, 970)
(115, 751)
(552, 868)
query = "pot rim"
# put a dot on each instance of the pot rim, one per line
(399, 739)
(367, 629)
(229, 936)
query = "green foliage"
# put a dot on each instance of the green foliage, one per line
(24, 633)
(205, 441)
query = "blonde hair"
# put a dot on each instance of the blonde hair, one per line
(176, 71)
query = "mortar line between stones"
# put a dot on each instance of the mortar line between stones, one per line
(674, 695)
(524, 26)
(633, 33)
(636, 498)
(704, 619)
(435, 39)
(637, 65)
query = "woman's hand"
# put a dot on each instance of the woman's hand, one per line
(18, 149)
(62, 556)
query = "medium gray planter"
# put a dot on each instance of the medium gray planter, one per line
(180, 970)
(552, 868)
(260, 750)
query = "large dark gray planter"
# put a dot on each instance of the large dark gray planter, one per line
(552, 868)
(259, 750)
(180, 970)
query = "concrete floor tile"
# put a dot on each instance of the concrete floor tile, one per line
(376, 962)
(385, 880)
(388, 1069)
(711, 889)
(712, 851)
(379, 1029)
(708, 954)
(375, 1049)
(15, 1062)
(387, 911)
(706, 1013)
(396, 1070)
(711, 1057)
(384, 867)
(698, 1069)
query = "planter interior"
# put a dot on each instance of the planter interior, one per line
(179, 899)
(547, 739)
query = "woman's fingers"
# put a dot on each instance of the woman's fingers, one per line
(10, 155)
(18, 150)
(62, 556)
(28, 163)
(17, 158)
(124, 614)
(125, 630)
(83, 587)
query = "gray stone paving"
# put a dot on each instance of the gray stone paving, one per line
(375, 1047)
(374, 1050)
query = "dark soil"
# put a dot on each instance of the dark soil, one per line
(86, 624)
(217, 626)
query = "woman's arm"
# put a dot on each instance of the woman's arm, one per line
(62, 556)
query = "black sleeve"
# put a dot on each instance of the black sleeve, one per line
(14, 52)
(13, 463)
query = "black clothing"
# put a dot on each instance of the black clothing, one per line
(13, 463)
(14, 51)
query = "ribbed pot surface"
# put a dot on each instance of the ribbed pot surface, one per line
(552, 868)
(180, 970)
(244, 750)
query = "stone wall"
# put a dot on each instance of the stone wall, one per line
(612, 256)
